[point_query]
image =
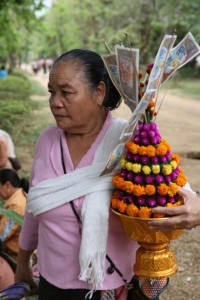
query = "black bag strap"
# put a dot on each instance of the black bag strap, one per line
(112, 267)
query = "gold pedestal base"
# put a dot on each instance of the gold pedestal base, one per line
(154, 258)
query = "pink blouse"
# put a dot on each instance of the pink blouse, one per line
(55, 233)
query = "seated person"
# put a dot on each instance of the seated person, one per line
(13, 191)
(7, 153)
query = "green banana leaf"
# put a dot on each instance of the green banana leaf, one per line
(12, 215)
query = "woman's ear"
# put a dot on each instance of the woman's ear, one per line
(101, 92)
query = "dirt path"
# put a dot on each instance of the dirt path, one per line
(179, 123)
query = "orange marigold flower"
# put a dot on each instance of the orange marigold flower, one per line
(134, 148)
(150, 189)
(138, 190)
(144, 212)
(166, 144)
(142, 150)
(115, 178)
(128, 186)
(114, 202)
(141, 84)
(121, 206)
(181, 180)
(162, 189)
(161, 150)
(150, 151)
(128, 145)
(132, 210)
(176, 157)
(172, 189)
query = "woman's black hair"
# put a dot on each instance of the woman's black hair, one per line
(12, 176)
(94, 71)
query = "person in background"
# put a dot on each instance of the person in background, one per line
(13, 191)
(8, 157)
(35, 67)
(3, 72)
(82, 249)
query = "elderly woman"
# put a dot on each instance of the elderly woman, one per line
(81, 246)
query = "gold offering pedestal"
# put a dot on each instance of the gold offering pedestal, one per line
(154, 258)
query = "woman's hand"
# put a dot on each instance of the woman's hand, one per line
(186, 216)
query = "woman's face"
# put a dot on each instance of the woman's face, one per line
(4, 190)
(74, 105)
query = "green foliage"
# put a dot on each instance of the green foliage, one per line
(12, 215)
(14, 87)
(12, 112)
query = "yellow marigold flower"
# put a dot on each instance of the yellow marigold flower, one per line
(150, 189)
(138, 190)
(122, 163)
(166, 144)
(172, 189)
(136, 168)
(167, 169)
(128, 185)
(161, 149)
(134, 148)
(129, 166)
(173, 163)
(132, 210)
(121, 206)
(176, 157)
(146, 170)
(144, 212)
(114, 203)
(150, 151)
(156, 169)
(142, 150)
(162, 189)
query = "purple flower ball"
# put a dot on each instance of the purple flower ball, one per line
(140, 126)
(141, 200)
(149, 179)
(152, 202)
(159, 178)
(163, 159)
(143, 134)
(136, 157)
(153, 126)
(154, 140)
(124, 173)
(145, 141)
(130, 176)
(129, 155)
(151, 133)
(171, 200)
(137, 139)
(161, 200)
(168, 179)
(158, 138)
(173, 176)
(154, 159)
(120, 194)
(168, 155)
(146, 127)
(145, 159)
(130, 198)
(138, 179)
